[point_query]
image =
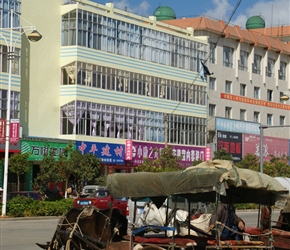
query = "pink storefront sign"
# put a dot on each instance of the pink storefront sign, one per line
(128, 150)
(189, 154)
(14, 130)
(271, 146)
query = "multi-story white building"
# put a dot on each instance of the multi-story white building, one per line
(101, 78)
(251, 73)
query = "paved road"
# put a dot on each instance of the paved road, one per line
(24, 233)
(251, 216)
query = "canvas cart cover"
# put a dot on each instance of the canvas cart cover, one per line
(200, 183)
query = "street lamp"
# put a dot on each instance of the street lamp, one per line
(33, 37)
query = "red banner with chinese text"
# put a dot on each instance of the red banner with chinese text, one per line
(14, 130)
(2, 130)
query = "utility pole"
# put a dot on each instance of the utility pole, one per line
(165, 130)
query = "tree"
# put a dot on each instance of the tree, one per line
(19, 165)
(85, 169)
(277, 166)
(249, 161)
(69, 165)
(196, 162)
(49, 171)
(166, 161)
(222, 155)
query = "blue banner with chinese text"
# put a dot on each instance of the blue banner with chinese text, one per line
(108, 152)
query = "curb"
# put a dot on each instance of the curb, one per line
(29, 218)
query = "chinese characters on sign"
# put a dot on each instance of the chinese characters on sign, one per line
(107, 152)
(38, 149)
(231, 142)
(14, 130)
(2, 130)
(129, 145)
(189, 154)
(271, 146)
(228, 125)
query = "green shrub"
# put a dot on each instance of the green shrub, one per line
(18, 205)
(22, 206)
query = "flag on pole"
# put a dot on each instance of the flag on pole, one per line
(204, 71)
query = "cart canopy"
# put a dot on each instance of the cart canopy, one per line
(201, 183)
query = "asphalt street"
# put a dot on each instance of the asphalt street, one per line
(23, 233)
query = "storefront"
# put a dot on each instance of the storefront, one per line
(137, 151)
(37, 150)
(112, 155)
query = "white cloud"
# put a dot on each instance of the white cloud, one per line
(140, 9)
(275, 12)
(221, 9)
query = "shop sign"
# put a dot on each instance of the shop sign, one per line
(224, 124)
(271, 146)
(14, 130)
(38, 149)
(129, 145)
(2, 130)
(189, 154)
(231, 142)
(107, 152)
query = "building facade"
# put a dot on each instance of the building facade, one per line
(251, 73)
(101, 78)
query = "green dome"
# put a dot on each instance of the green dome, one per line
(164, 13)
(255, 22)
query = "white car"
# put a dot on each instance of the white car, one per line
(89, 189)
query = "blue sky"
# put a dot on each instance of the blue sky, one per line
(275, 12)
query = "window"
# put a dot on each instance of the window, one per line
(269, 119)
(282, 71)
(103, 120)
(269, 95)
(113, 79)
(212, 83)
(228, 87)
(257, 92)
(270, 67)
(211, 110)
(212, 52)
(121, 37)
(257, 64)
(4, 58)
(243, 89)
(15, 104)
(243, 62)
(256, 116)
(282, 120)
(228, 112)
(242, 114)
(228, 57)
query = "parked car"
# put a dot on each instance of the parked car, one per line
(32, 194)
(89, 189)
(102, 199)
